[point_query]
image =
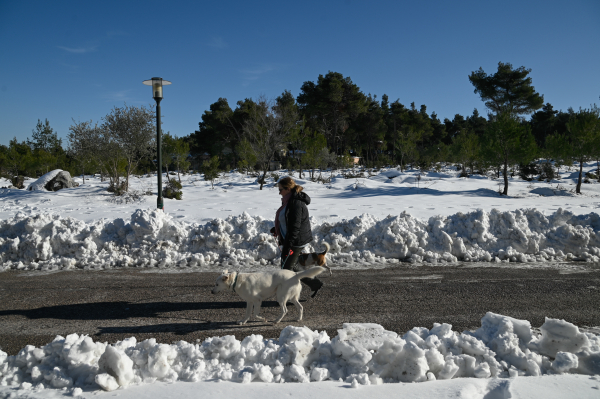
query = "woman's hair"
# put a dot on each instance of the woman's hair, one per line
(287, 183)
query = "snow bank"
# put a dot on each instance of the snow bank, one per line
(152, 238)
(360, 354)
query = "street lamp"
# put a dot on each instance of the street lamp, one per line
(157, 84)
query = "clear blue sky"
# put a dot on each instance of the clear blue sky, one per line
(65, 60)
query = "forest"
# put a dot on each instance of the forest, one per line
(330, 124)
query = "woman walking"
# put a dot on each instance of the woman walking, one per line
(292, 228)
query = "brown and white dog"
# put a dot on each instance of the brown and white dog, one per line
(306, 261)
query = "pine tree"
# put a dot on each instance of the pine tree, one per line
(508, 141)
(507, 91)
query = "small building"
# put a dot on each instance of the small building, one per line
(274, 165)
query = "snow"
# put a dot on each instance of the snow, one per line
(501, 351)
(392, 216)
(382, 219)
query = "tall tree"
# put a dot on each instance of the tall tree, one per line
(508, 90)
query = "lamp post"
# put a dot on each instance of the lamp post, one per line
(157, 84)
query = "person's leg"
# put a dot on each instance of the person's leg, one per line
(288, 262)
(314, 284)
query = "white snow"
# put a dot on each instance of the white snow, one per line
(392, 216)
(361, 354)
(381, 219)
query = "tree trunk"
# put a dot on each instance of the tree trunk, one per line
(578, 189)
(262, 179)
(505, 192)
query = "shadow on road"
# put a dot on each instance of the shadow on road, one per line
(123, 310)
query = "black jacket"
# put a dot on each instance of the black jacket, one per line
(296, 220)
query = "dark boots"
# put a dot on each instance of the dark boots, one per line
(314, 284)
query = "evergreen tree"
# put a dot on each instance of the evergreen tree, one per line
(371, 128)
(180, 156)
(44, 138)
(210, 169)
(581, 143)
(508, 142)
(330, 106)
(543, 123)
(395, 121)
(507, 91)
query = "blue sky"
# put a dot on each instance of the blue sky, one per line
(65, 60)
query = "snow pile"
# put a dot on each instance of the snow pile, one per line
(40, 184)
(360, 354)
(152, 238)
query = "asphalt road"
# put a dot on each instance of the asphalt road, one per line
(116, 304)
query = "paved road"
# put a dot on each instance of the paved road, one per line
(112, 305)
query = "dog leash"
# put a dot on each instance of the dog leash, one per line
(286, 258)
(234, 281)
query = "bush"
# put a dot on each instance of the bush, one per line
(18, 182)
(547, 172)
(173, 190)
(526, 172)
(117, 189)
(131, 197)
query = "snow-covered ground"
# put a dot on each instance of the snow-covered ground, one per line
(436, 218)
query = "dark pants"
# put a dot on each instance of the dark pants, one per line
(291, 263)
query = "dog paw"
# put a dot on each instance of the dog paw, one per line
(242, 322)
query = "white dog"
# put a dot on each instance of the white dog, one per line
(256, 287)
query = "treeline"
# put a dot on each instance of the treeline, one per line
(332, 121)
(330, 124)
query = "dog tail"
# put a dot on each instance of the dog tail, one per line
(309, 273)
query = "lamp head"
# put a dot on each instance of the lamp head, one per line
(157, 84)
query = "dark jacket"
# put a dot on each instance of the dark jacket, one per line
(297, 222)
